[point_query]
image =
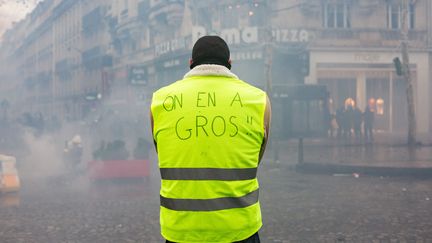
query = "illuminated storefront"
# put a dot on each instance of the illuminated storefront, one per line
(369, 78)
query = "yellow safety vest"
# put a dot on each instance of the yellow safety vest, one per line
(209, 132)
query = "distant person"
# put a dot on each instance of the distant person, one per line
(348, 120)
(72, 153)
(333, 126)
(328, 122)
(210, 130)
(357, 122)
(368, 117)
(339, 116)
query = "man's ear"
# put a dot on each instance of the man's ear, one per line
(229, 61)
(190, 61)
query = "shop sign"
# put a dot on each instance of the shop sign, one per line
(170, 46)
(249, 35)
(366, 57)
(290, 35)
(138, 75)
(231, 36)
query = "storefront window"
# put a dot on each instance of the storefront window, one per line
(380, 106)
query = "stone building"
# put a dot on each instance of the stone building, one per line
(352, 54)
(349, 46)
(29, 61)
(118, 52)
(55, 58)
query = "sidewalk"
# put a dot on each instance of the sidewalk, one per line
(387, 155)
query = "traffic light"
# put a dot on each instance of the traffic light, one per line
(398, 66)
(304, 63)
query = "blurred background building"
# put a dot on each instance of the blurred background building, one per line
(67, 57)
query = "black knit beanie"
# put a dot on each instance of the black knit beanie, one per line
(210, 50)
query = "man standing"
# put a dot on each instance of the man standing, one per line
(210, 130)
(368, 117)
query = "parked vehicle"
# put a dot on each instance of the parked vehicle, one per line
(9, 179)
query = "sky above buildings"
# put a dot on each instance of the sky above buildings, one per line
(13, 11)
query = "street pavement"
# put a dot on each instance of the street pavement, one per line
(386, 156)
(296, 206)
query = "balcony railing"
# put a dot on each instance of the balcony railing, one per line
(369, 35)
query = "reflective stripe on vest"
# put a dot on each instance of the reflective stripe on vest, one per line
(210, 204)
(208, 174)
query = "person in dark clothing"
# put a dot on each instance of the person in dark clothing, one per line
(348, 121)
(72, 154)
(339, 120)
(328, 122)
(357, 121)
(368, 117)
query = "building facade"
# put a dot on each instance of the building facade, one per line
(349, 46)
(56, 58)
(77, 54)
(353, 56)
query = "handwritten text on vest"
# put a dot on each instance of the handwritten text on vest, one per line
(204, 125)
